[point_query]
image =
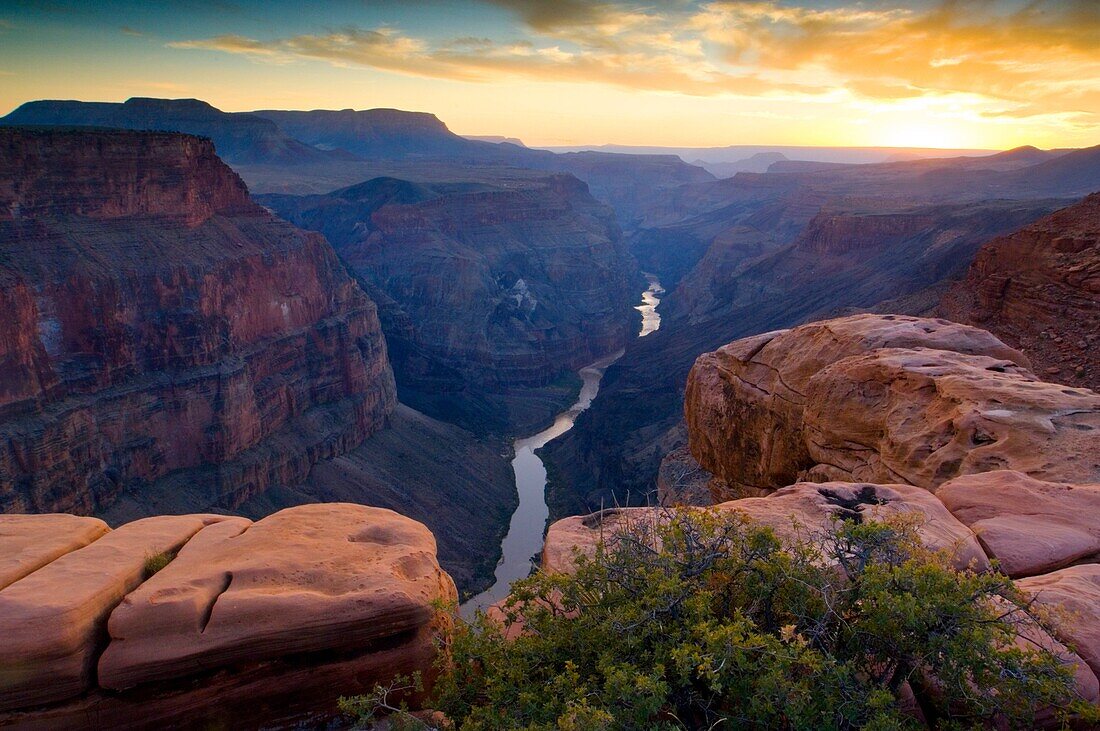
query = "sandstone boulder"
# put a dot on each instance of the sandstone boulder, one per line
(29, 542)
(335, 578)
(922, 416)
(1074, 593)
(1029, 526)
(744, 402)
(52, 621)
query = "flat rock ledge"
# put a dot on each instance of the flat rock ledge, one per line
(209, 620)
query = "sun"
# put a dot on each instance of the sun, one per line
(921, 133)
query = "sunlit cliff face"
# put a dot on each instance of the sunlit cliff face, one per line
(955, 73)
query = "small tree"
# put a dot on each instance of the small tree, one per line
(702, 620)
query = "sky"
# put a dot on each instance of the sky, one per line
(942, 73)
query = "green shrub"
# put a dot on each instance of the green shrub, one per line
(709, 622)
(154, 562)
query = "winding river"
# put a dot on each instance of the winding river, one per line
(523, 541)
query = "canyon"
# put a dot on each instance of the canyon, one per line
(448, 331)
(488, 293)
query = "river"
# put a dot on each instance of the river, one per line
(523, 542)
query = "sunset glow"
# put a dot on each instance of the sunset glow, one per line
(957, 73)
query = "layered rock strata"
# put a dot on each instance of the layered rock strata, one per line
(484, 289)
(247, 624)
(1039, 289)
(164, 329)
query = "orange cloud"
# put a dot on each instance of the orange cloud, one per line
(980, 57)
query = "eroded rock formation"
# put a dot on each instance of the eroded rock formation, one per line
(162, 328)
(1039, 289)
(248, 624)
(483, 288)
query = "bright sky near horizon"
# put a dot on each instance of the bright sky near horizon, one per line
(940, 73)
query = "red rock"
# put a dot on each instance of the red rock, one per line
(801, 512)
(808, 510)
(1074, 593)
(1045, 276)
(316, 578)
(165, 333)
(1028, 525)
(52, 621)
(744, 401)
(922, 416)
(29, 542)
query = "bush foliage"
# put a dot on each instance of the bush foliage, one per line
(704, 621)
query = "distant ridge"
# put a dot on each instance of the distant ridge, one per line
(237, 137)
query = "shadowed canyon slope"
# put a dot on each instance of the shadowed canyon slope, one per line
(1039, 289)
(166, 333)
(482, 288)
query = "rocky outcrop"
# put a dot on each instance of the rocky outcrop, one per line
(766, 409)
(52, 619)
(32, 541)
(483, 289)
(803, 512)
(248, 624)
(164, 329)
(1039, 290)
(1028, 525)
(1074, 592)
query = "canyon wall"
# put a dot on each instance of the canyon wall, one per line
(1039, 290)
(164, 331)
(485, 291)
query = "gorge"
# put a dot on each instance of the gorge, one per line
(261, 436)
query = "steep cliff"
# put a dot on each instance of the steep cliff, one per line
(164, 331)
(484, 290)
(1039, 290)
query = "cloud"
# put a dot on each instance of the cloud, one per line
(127, 30)
(1037, 59)
(1042, 57)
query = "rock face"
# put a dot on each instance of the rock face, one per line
(339, 592)
(800, 512)
(1029, 526)
(750, 406)
(1076, 592)
(482, 289)
(164, 329)
(1039, 289)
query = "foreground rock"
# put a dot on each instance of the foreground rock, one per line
(32, 541)
(804, 512)
(1039, 289)
(746, 403)
(1029, 526)
(52, 620)
(1073, 592)
(164, 330)
(250, 624)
